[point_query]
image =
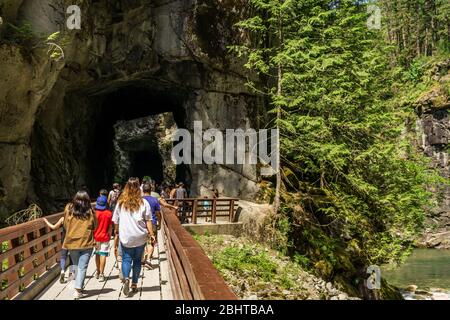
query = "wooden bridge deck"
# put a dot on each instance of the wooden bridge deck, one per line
(30, 251)
(153, 284)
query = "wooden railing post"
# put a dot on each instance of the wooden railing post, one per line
(231, 210)
(213, 212)
(194, 211)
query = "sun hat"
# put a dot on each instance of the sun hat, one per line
(102, 203)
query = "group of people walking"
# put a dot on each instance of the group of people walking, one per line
(131, 216)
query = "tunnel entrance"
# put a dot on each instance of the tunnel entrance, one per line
(96, 139)
(132, 137)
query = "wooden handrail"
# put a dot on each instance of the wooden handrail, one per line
(192, 274)
(194, 208)
(31, 249)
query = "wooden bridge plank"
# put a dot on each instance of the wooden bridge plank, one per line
(166, 290)
(151, 283)
(67, 292)
(94, 288)
(113, 285)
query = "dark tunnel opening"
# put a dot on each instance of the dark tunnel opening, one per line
(147, 163)
(128, 104)
(75, 145)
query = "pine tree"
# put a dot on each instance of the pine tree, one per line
(354, 189)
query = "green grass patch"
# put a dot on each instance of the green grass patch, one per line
(251, 268)
(246, 259)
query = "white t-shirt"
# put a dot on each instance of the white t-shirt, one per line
(132, 225)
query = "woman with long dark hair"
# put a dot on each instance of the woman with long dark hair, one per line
(133, 225)
(79, 222)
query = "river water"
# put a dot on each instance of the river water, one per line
(428, 269)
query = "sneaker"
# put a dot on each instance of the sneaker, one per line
(102, 278)
(97, 275)
(77, 295)
(126, 288)
(134, 288)
(62, 278)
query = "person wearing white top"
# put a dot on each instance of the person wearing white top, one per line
(133, 225)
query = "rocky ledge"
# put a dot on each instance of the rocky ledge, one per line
(412, 292)
(433, 128)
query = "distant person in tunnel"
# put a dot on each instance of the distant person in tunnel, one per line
(173, 191)
(85, 188)
(133, 224)
(114, 196)
(102, 234)
(165, 195)
(145, 180)
(181, 194)
(164, 190)
(79, 222)
(154, 193)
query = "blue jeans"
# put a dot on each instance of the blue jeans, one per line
(63, 259)
(80, 259)
(119, 249)
(131, 258)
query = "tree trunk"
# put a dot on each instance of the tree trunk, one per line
(278, 175)
(279, 77)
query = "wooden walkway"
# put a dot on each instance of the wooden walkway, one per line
(153, 284)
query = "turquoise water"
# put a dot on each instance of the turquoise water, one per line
(425, 268)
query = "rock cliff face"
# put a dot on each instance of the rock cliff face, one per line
(434, 127)
(131, 59)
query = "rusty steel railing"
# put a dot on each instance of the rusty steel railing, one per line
(193, 208)
(192, 274)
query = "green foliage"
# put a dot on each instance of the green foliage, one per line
(20, 35)
(4, 246)
(57, 42)
(246, 259)
(5, 264)
(355, 189)
(27, 39)
(261, 269)
(417, 28)
(302, 260)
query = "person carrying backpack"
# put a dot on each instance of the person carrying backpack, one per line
(156, 221)
(113, 196)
